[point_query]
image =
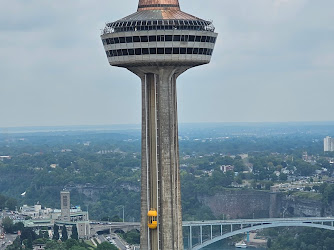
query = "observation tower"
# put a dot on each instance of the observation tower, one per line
(158, 43)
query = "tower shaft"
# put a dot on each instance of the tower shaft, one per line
(160, 183)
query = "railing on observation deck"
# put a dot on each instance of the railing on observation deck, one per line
(125, 26)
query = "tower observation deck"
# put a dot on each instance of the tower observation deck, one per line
(158, 43)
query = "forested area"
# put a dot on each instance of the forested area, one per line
(7, 202)
(102, 170)
(108, 166)
(299, 239)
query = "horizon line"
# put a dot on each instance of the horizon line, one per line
(117, 126)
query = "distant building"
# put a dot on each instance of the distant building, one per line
(329, 144)
(69, 216)
(226, 168)
(308, 158)
(36, 211)
(66, 150)
(65, 205)
(39, 246)
(53, 165)
(5, 157)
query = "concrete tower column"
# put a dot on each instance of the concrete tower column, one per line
(160, 158)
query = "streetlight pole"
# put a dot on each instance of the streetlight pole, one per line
(123, 213)
(118, 207)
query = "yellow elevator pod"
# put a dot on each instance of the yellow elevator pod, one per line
(152, 216)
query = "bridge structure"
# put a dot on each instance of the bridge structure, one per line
(111, 227)
(199, 234)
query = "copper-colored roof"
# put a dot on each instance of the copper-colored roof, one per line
(159, 15)
(149, 10)
(158, 5)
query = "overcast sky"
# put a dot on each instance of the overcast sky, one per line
(273, 61)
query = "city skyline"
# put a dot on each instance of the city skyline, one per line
(274, 63)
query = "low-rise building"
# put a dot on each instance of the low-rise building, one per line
(43, 218)
(36, 211)
(5, 157)
(226, 168)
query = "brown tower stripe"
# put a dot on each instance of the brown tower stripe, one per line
(159, 5)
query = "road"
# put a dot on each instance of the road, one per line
(119, 242)
(259, 221)
(114, 237)
(8, 237)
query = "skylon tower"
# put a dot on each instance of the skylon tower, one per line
(158, 43)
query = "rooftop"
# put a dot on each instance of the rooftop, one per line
(158, 14)
(158, 4)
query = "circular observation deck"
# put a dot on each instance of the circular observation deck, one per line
(161, 37)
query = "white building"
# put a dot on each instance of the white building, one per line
(67, 215)
(5, 157)
(329, 144)
(226, 168)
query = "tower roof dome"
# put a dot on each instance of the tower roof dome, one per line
(161, 14)
(158, 5)
(159, 10)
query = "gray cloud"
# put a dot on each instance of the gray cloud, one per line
(274, 61)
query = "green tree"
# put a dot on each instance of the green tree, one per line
(28, 236)
(55, 245)
(7, 224)
(16, 245)
(269, 243)
(43, 234)
(28, 243)
(71, 243)
(55, 232)
(2, 201)
(40, 241)
(74, 234)
(77, 248)
(11, 204)
(238, 179)
(116, 218)
(18, 227)
(283, 177)
(64, 235)
(132, 237)
(329, 243)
